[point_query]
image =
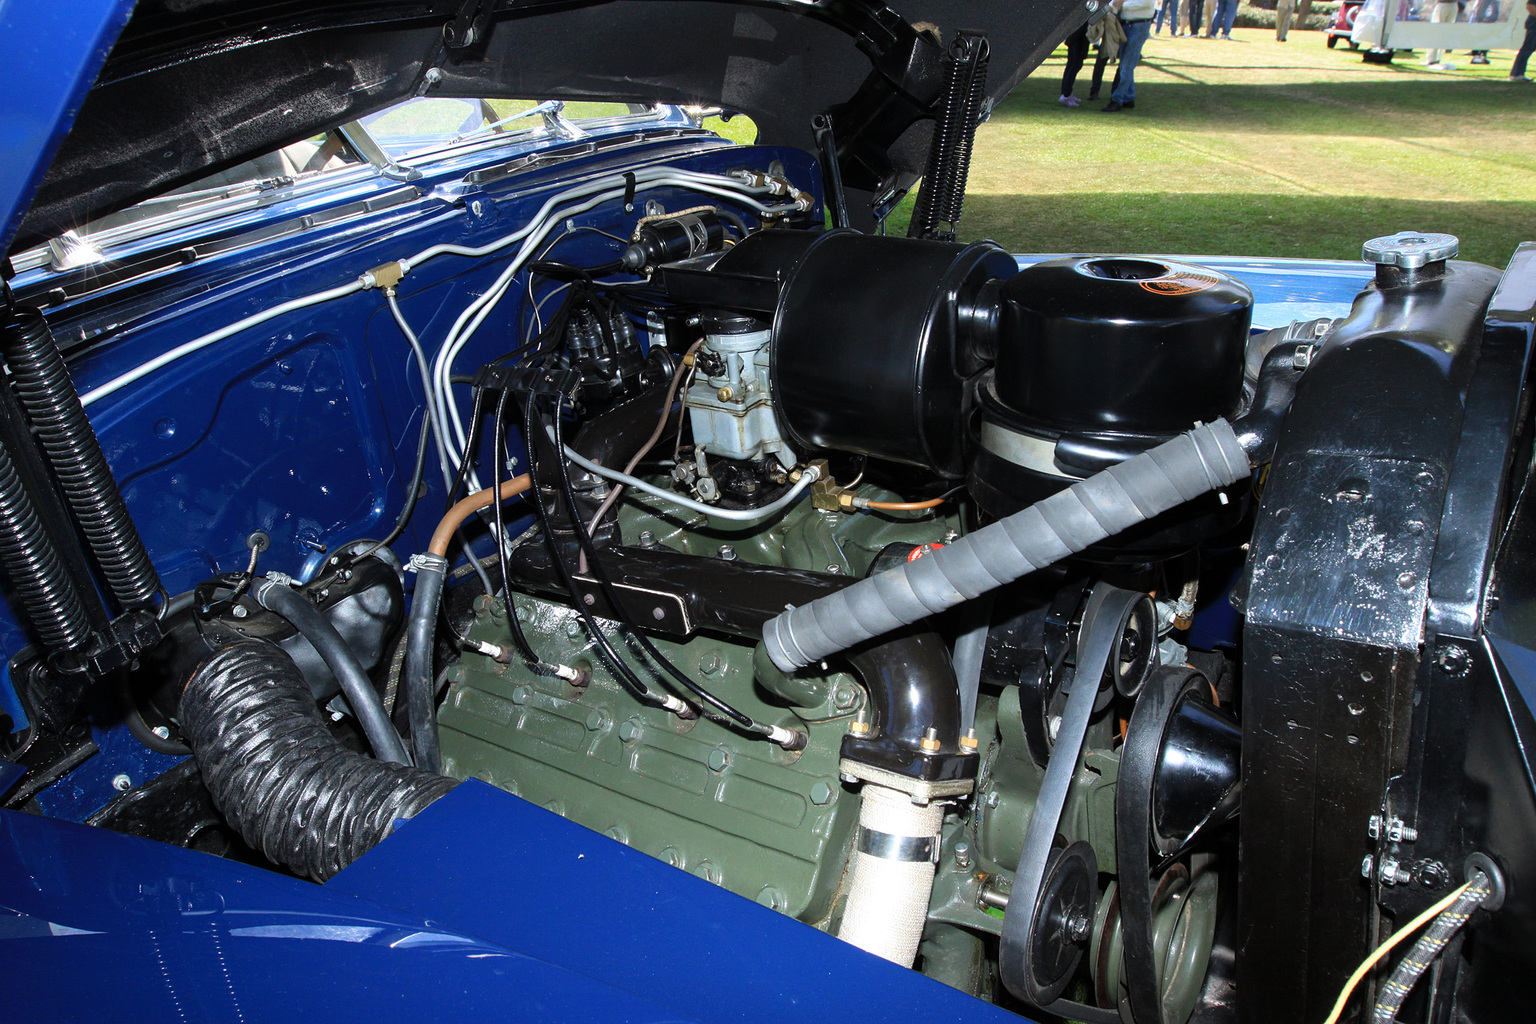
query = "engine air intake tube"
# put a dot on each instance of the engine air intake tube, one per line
(1068, 522)
(53, 406)
(279, 776)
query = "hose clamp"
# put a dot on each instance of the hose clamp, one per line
(913, 849)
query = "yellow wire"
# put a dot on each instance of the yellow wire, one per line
(1387, 947)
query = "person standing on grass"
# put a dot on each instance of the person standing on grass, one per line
(1171, 9)
(1136, 19)
(1226, 14)
(1517, 69)
(1210, 18)
(1193, 29)
(1445, 10)
(1284, 9)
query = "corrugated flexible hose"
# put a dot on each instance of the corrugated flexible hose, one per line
(278, 775)
(53, 406)
(1204, 459)
(46, 590)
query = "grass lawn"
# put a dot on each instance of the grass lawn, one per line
(1261, 148)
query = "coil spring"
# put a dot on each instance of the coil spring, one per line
(942, 197)
(32, 565)
(53, 406)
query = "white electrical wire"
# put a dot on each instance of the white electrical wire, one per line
(745, 515)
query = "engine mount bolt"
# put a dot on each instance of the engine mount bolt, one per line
(821, 793)
(122, 783)
(629, 731)
(719, 759)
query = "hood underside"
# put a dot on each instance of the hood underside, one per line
(191, 88)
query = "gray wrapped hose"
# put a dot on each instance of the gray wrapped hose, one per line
(1067, 523)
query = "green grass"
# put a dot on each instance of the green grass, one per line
(1260, 148)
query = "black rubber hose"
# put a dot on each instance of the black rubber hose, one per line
(420, 630)
(48, 395)
(46, 590)
(278, 775)
(332, 648)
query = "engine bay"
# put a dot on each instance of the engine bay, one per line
(1008, 618)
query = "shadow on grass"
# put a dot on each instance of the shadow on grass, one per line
(1399, 109)
(1321, 227)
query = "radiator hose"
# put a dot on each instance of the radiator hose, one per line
(53, 406)
(1068, 522)
(277, 774)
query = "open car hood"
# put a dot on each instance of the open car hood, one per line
(191, 87)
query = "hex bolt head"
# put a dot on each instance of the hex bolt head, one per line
(1079, 928)
(821, 794)
(845, 696)
(162, 731)
(519, 695)
(647, 539)
(772, 898)
(239, 611)
(122, 783)
(573, 629)
(1373, 828)
(596, 720)
(719, 759)
(727, 552)
(1367, 866)
(629, 731)
(1453, 659)
(710, 663)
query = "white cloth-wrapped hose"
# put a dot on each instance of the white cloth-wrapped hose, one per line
(892, 877)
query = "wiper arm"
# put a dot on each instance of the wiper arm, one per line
(542, 110)
(549, 110)
(364, 145)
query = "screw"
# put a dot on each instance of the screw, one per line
(1398, 832)
(719, 759)
(520, 695)
(1303, 357)
(845, 696)
(122, 783)
(821, 793)
(950, 536)
(962, 854)
(1053, 726)
(1373, 828)
(239, 611)
(1078, 928)
(596, 720)
(647, 539)
(835, 569)
(1367, 866)
(629, 731)
(162, 732)
(433, 76)
(710, 663)
(993, 798)
(727, 552)
(772, 898)
(573, 629)
(1393, 873)
(930, 740)
(476, 208)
